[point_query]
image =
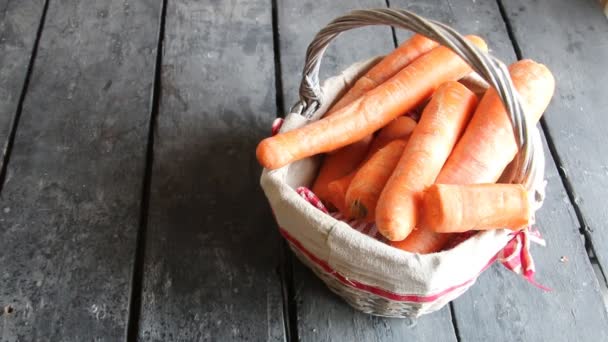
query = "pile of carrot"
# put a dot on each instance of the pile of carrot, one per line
(421, 182)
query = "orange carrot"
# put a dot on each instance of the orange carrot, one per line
(488, 143)
(419, 241)
(400, 128)
(386, 68)
(460, 208)
(370, 112)
(337, 193)
(370, 179)
(341, 162)
(347, 158)
(441, 123)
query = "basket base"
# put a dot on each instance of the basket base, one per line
(371, 303)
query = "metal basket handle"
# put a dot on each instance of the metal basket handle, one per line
(489, 67)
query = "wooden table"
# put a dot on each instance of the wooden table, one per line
(130, 206)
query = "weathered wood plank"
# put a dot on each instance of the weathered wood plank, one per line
(321, 315)
(71, 200)
(501, 306)
(19, 21)
(212, 252)
(571, 38)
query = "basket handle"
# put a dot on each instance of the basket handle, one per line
(489, 67)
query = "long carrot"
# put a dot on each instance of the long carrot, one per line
(441, 123)
(386, 68)
(337, 193)
(345, 160)
(488, 143)
(370, 112)
(341, 162)
(419, 241)
(400, 128)
(369, 181)
(460, 208)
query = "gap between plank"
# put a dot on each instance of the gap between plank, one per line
(572, 197)
(134, 312)
(26, 83)
(394, 33)
(278, 81)
(454, 321)
(290, 317)
(583, 226)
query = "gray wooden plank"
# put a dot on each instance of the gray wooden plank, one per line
(321, 315)
(571, 37)
(212, 252)
(19, 21)
(501, 306)
(71, 200)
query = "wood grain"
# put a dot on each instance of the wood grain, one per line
(570, 38)
(212, 249)
(19, 21)
(70, 205)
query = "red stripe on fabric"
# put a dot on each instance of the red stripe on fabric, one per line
(276, 126)
(376, 290)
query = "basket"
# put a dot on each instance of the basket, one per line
(368, 274)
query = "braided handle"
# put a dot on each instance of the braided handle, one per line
(490, 68)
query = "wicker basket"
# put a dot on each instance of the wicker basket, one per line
(369, 275)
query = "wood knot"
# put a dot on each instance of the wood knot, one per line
(8, 309)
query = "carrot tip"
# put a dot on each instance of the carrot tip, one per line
(267, 155)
